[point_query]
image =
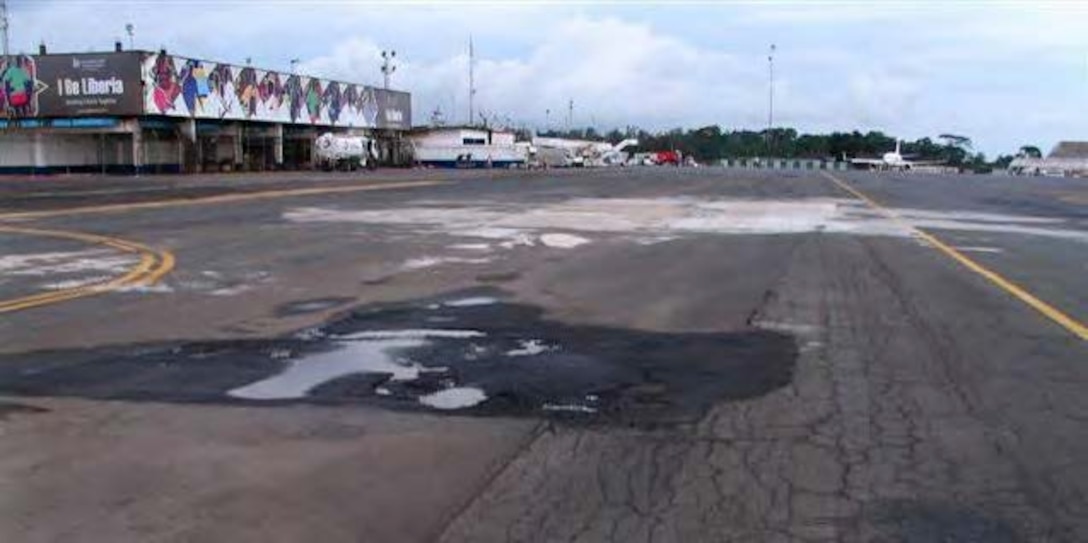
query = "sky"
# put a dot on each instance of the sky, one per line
(1002, 73)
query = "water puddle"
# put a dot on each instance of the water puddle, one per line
(469, 302)
(302, 376)
(530, 347)
(453, 398)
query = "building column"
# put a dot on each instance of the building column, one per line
(187, 137)
(137, 147)
(239, 148)
(37, 161)
(277, 145)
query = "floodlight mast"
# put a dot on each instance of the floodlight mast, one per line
(4, 28)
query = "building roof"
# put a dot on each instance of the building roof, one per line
(458, 128)
(1070, 149)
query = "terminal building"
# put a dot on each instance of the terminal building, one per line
(155, 112)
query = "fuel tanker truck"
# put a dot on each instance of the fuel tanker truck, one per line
(345, 152)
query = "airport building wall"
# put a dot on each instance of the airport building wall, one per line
(136, 112)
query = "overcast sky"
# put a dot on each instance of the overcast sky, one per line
(1003, 74)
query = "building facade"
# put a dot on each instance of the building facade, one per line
(139, 111)
(467, 147)
(1066, 159)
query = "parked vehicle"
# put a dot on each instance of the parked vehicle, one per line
(344, 152)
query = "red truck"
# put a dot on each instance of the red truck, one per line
(671, 158)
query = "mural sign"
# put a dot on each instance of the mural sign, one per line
(70, 85)
(185, 87)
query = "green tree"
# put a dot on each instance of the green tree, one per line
(1030, 151)
(1002, 162)
(957, 148)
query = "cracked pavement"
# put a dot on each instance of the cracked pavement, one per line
(887, 433)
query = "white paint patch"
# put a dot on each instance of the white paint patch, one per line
(471, 247)
(971, 216)
(470, 302)
(12, 263)
(570, 408)
(474, 351)
(511, 234)
(531, 347)
(788, 327)
(40, 264)
(654, 240)
(432, 261)
(231, 291)
(422, 333)
(979, 249)
(562, 241)
(280, 354)
(77, 283)
(454, 398)
(517, 224)
(310, 334)
(1007, 228)
(302, 376)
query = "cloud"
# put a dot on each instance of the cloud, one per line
(616, 72)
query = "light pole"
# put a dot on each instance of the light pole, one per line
(131, 31)
(471, 80)
(387, 66)
(770, 98)
(570, 115)
(294, 66)
(4, 27)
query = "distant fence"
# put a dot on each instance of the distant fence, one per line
(784, 164)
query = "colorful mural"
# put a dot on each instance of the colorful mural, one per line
(183, 87)
(18, 86)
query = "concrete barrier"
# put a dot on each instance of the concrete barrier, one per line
(784, 164)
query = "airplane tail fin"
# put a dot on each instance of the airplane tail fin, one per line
(897, 142)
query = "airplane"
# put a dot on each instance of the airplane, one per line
(892, 160)
(582, 152)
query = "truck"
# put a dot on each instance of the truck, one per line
(345, 152)
(670, 158)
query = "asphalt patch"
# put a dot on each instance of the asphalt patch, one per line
(470, 353)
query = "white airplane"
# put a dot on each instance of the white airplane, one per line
(892, 160)
(583, 152)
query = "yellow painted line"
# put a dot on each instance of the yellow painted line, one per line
(152, 267)
(1075, 327)
(221, 199)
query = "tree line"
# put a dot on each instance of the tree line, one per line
(711, 143)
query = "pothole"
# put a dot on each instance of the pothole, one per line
(468, 353)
